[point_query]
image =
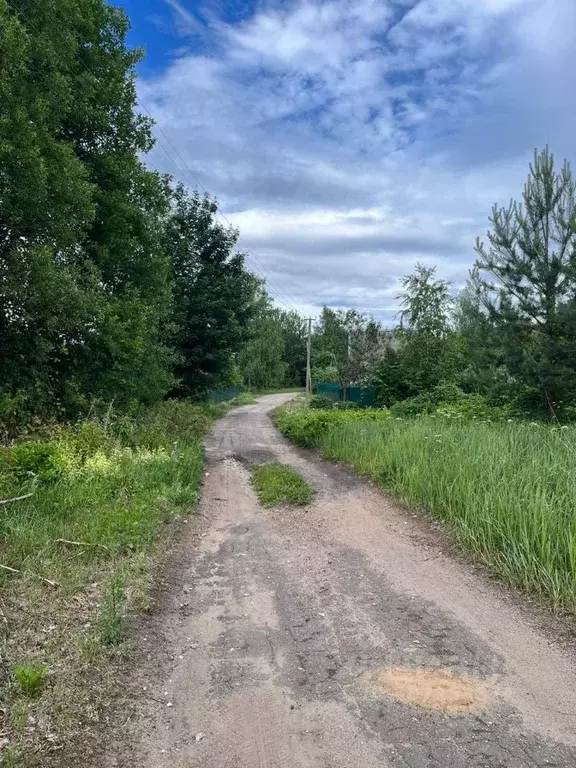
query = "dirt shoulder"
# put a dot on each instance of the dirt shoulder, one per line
(337, 634)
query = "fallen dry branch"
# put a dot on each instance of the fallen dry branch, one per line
(81, 544)
(16, 498)
(42, 578)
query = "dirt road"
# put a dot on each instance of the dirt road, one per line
(338, 636)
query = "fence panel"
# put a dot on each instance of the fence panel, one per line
(331, 391)
(223, 395)
(363, 396)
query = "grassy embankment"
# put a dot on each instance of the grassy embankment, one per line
(507, 489)
(276, 483)
(76, 560)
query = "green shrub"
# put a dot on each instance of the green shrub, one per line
(244, 398)
(348, 405)
(306, 426)
(450, 401)
(446, 393)
(34, 458)
(413, 406)
(16, 414)
(474, 407)
(530, 402)
(320, 402)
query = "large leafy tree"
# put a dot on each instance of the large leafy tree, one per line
(424, 350)
(275, 355)
(128, 356)
(262, 360)
(84, 278)
(46, 203)
(427, 340)
(214, 296)
(295, 331)
(528, 274)
(347, 343)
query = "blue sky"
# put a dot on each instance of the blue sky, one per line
(350, 139)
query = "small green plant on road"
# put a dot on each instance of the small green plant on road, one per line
(277, 483)
(31, 678)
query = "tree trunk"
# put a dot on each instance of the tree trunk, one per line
(550, 404)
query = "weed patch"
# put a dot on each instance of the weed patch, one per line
(245, 398)
(277, 483)
(31, 678)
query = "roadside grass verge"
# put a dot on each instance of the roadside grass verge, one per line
(81, 548)
(306, 426)
(277, 483)
(245, 398)
(506, 490)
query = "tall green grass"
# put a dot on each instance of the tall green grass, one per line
(507, 490)
(81, 549)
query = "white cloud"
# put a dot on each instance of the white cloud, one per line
(349, 140)
(186, 22)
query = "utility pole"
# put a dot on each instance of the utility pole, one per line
(309, 359)
(347, 382)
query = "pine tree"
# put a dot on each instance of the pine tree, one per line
(528, 271)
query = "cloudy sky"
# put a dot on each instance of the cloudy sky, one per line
(350, 139)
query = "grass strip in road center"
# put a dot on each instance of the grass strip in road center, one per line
(276, 483)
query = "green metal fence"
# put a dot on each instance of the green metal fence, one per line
(331, 391)
(223, 395)
(363, 396)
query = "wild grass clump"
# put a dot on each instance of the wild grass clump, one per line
(277, 483)
(245, 398)
(306, 426)
(31, 678)
(506, 489)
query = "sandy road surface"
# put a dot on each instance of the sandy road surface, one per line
(291, 637)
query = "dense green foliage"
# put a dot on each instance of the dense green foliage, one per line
(277, 483)
(275, 355)
(306, 426)
(83, 276)
(213, 295)
(114, 285)
(506, 489)
(346, 346)
(526, 281)
(449, 399)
